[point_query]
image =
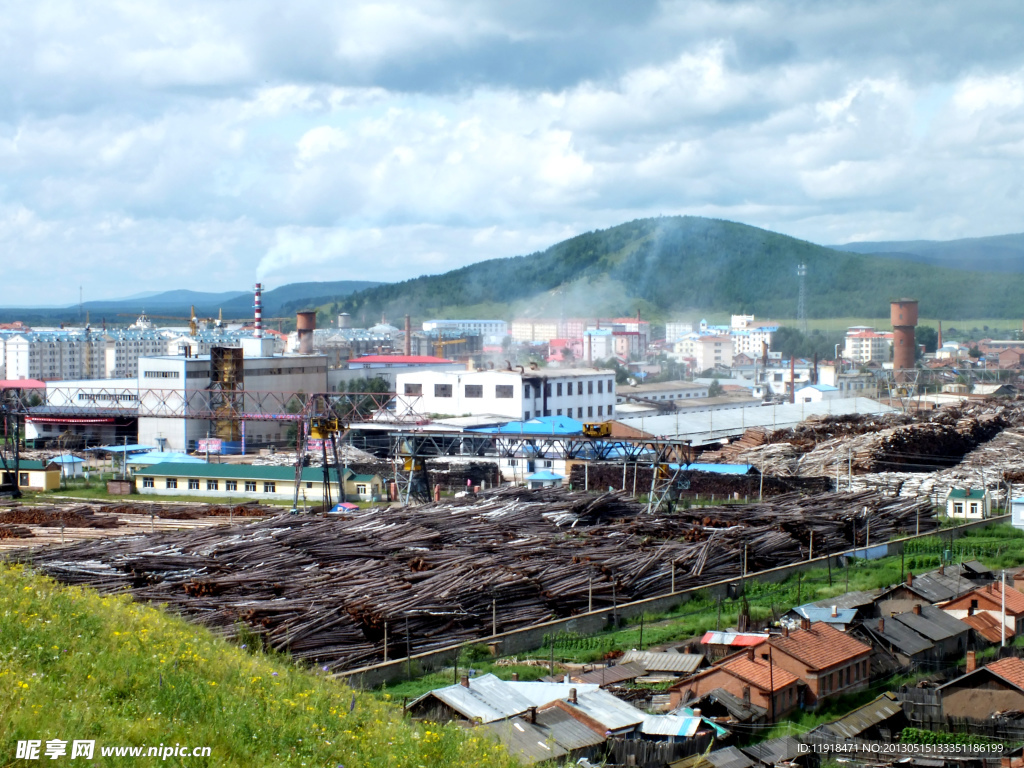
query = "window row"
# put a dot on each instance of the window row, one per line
(214, 485)
(527, 415)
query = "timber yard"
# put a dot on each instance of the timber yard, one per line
(496, 562)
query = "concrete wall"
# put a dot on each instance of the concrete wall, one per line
(531, 638)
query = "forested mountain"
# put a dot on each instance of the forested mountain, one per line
(688, 263)
(1001, 253)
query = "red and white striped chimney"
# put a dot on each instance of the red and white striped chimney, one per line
(258, 307)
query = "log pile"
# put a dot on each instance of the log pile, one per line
(602, 475)
(73, 517)
(330, 589)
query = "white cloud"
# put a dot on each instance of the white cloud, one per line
(196, 144)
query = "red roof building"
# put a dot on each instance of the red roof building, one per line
(747, 676)
(830, 662)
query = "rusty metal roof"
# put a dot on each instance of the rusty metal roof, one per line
(863, 718)
(652, 661)
(988, 626)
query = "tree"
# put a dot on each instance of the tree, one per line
(715, 388)
(974, 352)
(927, 336)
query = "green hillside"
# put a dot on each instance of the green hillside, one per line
(78, 666)
(675, 264)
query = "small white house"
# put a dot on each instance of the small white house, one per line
(816, 393)
(70, 466)
(968, 503)
(1017, 513)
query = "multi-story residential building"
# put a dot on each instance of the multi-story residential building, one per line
(534, 330)
(865, 345)
(581, 393)
(676, 330)
(486, 328)
(707, 350)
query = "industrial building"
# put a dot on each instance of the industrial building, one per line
(582, 393)
(234, 481)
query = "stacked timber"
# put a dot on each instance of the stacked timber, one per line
(350, 590)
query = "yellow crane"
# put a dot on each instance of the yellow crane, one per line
(440, 344)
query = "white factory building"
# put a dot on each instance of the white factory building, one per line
(490, 329)
(582, 393)
(168, 386)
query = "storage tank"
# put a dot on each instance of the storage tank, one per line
(305, 324)
(903, 314)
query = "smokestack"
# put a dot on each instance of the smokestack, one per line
(408, 336)
(305, 324)
(258, 311)
(572, 695)
(938, 345)
(972, 661)
(814, 374)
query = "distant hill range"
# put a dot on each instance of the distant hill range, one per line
(1001, 253)
(664, 265)
(284, 300)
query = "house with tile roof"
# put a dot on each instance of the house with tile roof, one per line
(986, 629)
(990, 598)
(747, 676)
(827, 661)
(998, 686)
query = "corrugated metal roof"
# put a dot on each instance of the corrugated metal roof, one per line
(489, 698)
(654, 661)
(524, 741)
(541, 425)
(988, 626)
(717, 469)
(863, 718)
(566, 730)
(820, 613)
(849, 600)
(733, 638)
(933, 623)
(729, 757)
(711, 426)
(611, 675)
(775, 750)
(611, 711)
(670, 725)
(901, 637)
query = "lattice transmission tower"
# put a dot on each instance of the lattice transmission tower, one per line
(801, 308)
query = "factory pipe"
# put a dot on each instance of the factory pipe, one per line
(305, 324)
(408, 336)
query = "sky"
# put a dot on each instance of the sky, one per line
(206, 145)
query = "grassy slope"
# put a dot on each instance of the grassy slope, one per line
(689, 264)
(75, 665)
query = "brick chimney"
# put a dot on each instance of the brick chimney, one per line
(972, 662)
(990, 585)
(910, 579)
(942, 569)
(785, 631)
(805, 623)
(464, 681)
(881, 625)
(746, 694)
(572, 695)
(750, 654)
(917, 609)
(531, 715)
(515, 677)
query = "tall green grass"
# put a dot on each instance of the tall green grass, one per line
(77, 665)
